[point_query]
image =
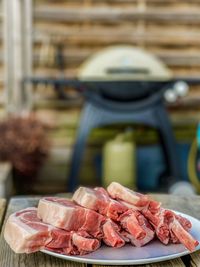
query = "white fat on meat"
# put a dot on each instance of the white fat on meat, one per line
(23, 238)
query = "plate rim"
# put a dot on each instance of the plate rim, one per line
(124, 262)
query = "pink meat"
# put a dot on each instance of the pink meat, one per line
(112, 235)
(160, 223)
(157, 221)
(26, 233)
(23, 236)
(98, 199)
(183, 236)
(184, 222)
(130, 223)
(77, 227)
(147, 228)
(78, 243)
(135, 242)
(84, 242)
(117, 191)
(65, 214)
(168, 226)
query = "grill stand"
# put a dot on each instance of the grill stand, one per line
(100, 112)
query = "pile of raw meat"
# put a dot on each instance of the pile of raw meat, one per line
(93, 217)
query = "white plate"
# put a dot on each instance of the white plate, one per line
(129, 255)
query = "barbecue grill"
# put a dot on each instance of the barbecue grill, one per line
(124, 73)
(124, 84)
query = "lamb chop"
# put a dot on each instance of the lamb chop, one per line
(98, 199)
(112, 236)
(65, 214)
(168, 225)
(119, 192)
(143, 222)
(26, 233)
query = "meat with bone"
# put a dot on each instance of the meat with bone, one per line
(165, 222)
(150, 234)
(26, 233)
(112, 236)
(99, 200)
(178, 231)
(130, 223)
(119, 192)
(65, 214)
(128, 219)
(63, 226)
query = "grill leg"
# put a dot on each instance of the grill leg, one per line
(87, 123)
(93, 116)
(168, 143)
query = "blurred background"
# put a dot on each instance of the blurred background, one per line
(125, 71)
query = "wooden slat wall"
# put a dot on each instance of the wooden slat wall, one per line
(1, 59)
(168, 28)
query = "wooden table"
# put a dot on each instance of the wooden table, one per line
(189, 205)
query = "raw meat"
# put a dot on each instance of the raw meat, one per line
(98, 199)
(147, 228)
(84, 242)
(182, 235)
(130, 223)
(77, 227)
(117, 191)
(23, 236)
(26, 233)
(65, 214)
(112, 236)
(168, 226)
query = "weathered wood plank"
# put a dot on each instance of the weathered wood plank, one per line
(172, 263)
(108, 36)
(75, 57)
(2, 210)
(114, 15)
(165, 2)
(195, 261)
(6, 180)
(9, 259)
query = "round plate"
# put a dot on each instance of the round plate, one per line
(155, 251)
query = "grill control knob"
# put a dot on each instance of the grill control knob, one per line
(170, 96)
(181, 88)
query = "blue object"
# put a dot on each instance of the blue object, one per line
(198, 135)
(151, 165)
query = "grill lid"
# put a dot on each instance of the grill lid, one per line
(120, 63)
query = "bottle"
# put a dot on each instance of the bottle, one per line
(119, 161)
